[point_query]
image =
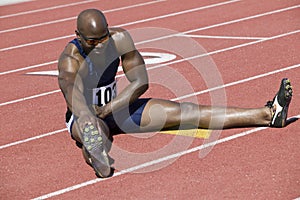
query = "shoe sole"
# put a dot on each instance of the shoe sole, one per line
(93, 143)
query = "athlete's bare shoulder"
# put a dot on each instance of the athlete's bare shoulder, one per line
(70, 59)
(122, 40)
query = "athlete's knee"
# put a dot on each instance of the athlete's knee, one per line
(188, 108)
(190, 113)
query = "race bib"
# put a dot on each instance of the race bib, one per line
(104, 94)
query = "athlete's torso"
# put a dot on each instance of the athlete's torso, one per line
(98, 72)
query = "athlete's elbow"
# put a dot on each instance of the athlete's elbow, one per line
(145, 87)
(142, 88)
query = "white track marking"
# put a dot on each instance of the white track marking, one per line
(224, 23)
(225, 49)
(29, 67)
(121, 25)
(173, 62)
(154, 162)
(160, 38)
(32, 138)
(224, 37)
(30, 97)
(8, 2)
(37, 42)
(74, 17)
(245, 18)
(178, 98)
(46, 9)
(151, 40)
(238, 82)
(179, 13)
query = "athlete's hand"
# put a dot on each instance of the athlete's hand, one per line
(100, 112)
(85, 119)
(90, 118)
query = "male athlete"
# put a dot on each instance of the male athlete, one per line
(87, 71)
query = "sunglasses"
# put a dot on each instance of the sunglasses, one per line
(93, 41)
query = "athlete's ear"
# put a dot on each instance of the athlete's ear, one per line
(77, 34)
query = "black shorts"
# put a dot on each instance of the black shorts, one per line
(127, 120)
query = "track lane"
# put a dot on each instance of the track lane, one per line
(10, 53)
(232, 170)
(196, 167)
(226, 66)
(67, 10)
(67, 27)
(290, 55)
(203, 18)
(288, 20)
(17, 91)
(229, 190)
(30, 5)
(56, 116)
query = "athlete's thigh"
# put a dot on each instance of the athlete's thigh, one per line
(128, 119)
(159, 114)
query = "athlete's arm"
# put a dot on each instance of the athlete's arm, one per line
(134, 68)
(71, 85)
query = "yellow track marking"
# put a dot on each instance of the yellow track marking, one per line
(197, 133)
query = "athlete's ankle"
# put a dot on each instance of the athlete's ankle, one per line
(267, 114)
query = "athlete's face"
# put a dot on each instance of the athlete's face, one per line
(90, 41)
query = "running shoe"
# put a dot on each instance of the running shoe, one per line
(280, 104)
(93, 143)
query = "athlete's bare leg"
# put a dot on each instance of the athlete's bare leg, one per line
(162, 114)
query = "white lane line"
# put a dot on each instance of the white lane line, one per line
(32, 138)
(180, 13)
(160, 38)
(30, 97)
(74, 17)
(246, 18)
(187, 96)
(224, 37)
(29, 67)
(151, 40)
(46, 9)
(154, 162)
(170, 63)
(224, 23)
(225, 49)
(121, 25)
(238, 82)
(37, 42)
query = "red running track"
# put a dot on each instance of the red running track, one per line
(251, 46)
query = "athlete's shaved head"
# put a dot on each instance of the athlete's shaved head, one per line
(91, 21)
